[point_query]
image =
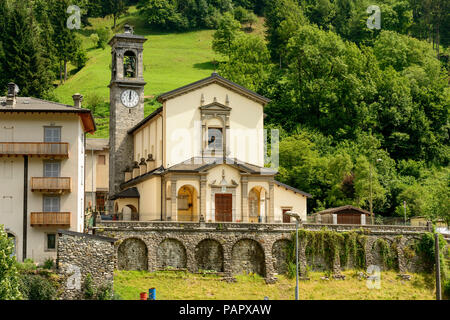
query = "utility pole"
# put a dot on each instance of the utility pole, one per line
(404, 210)
(438, 267)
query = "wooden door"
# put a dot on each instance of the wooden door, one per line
(286, 218)
(224, 207)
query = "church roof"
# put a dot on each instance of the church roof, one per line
(127, 193)
(31, 104)
(198, 164)
(281, 184)
(214, 78)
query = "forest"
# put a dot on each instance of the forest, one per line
(360, 110)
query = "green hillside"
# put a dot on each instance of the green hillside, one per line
(170, 60)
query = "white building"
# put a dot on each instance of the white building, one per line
(42, 161)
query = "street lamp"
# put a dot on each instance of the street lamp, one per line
(297, 220)
(370, 188)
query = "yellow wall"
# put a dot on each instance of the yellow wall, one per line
(148, 140)
(101, 172)
(288, 199)
(183, 125)
(150, 200)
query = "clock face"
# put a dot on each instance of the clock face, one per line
(130, 98)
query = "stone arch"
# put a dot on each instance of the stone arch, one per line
(132, 254)
(187, 203)
(209, 255)
(391, 258)
(171, 253)
(130, 213)
(279, 255)
(257, 204)
(248, 256)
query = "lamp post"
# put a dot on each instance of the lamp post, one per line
(297, 220)
(370, 190)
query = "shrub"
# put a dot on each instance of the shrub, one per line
(80, 59)
(48, 264)
(89, 288)
(9, 278)
(95, 39)
(103, 37)
(36, 287)
(446, 289)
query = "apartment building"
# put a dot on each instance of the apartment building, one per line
(42, 171)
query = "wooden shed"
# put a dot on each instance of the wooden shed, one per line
(343, 215)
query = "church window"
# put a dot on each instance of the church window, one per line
(215, 139)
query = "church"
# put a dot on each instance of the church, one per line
(199, 157)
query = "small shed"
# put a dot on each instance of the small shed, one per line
(343, 215)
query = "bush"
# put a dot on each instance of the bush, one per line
(36, 287)
(95, 39)
(80, 59)
(48, 264)
(28, 266)
(446, 289)
(89, 288)
(103, 37)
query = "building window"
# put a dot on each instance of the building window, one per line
(215, 139)
(101, 159)
(52, 134)
(12, 238)
(51, 204)
(50, 241)
(52, 169)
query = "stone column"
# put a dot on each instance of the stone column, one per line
(203, 197)
(244, 198)
(271, 218)
(173, 199)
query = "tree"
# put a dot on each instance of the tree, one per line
(115, 8)
(223, 38)
(249, 62)
(9, 276)
(23, 61)
(163, 14)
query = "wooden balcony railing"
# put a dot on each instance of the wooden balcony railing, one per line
(38, 149)
(50, 219)
(50, 184)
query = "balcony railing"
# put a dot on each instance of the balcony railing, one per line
(38, 149)
(50, 219)
(52, 185)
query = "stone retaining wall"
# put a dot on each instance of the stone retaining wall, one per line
(232, 248)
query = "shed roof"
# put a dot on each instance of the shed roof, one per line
(338, 210)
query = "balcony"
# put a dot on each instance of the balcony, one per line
(51, 185)
(35, 149)
(40, 219)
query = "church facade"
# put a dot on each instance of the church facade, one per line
(199, 157)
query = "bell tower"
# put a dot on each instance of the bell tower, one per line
(126, 102)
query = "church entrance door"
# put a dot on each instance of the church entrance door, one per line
(224, 207)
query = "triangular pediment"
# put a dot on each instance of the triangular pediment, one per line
(215, 106)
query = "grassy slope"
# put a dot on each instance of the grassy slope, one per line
(181, 286)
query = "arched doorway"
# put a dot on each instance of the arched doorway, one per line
(248, 257)
(257, 204)
(187, 204)
(130, 213)
(132, 254)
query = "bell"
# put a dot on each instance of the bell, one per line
(130, 70)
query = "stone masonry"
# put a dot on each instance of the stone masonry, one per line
(80, 254)
(233, 248)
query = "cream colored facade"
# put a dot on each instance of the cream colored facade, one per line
(34, 172)
(174, 175)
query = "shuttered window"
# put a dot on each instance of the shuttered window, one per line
(52, 134)
(51, 204)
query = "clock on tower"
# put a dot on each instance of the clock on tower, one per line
(126, 101)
